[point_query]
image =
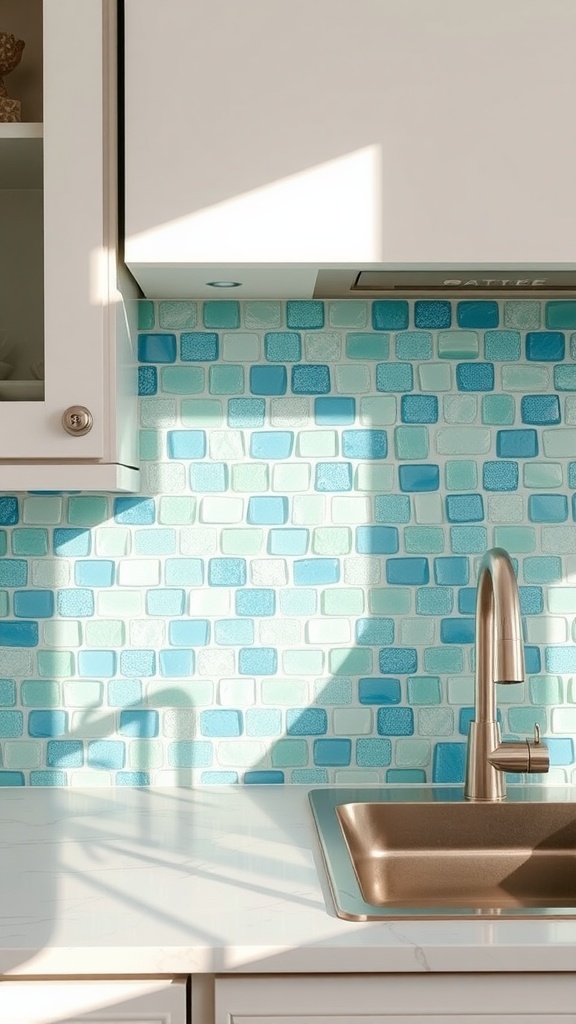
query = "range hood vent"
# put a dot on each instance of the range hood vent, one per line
(338, 283)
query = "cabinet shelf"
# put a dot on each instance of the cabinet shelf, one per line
(21, 155)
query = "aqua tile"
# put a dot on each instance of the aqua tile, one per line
(540, 409)
(334, 411)
(65, 754)
(305, 315)
(473, 313)
(424, 539)
(55, 664)
(282, 347)
(384, 601)
(515, 444)
(548, 508)
(425, 690)
(468, 540)
(561, 315)
(208, 477)
(475, 376)
(199, 346)
(190, 754)
(502, 346)
(333, 476)
(419, 409)
(268, 380)
(4, 543)
(542, 569)
(415, 345)
(183, 380)
(28, 541)
(500, 476)
(525, 378)
(411, 442)
(394, 377)
(349, 313)
(367, 346)
(515, 539)
(433, 314)
(33, 604)
(323, 347)
(461, 475)
(149, 445)
(246, 412)
(260, 314)
(407, 571)
(390, 315)
(545, 346)
(421, 478)
(310, 379)
(364, 444)
(458, 345)
(565, 378)
(352, 380)
(395, 721)
(221, 315)
(289, 753)
(145, 315)
(393, 508)
(147, 380)
(464, 508)
(443, 660)
(226, 380)
(460, 408)
(129, 511)
(373, 752)
(542, 475)
(449, 763)
(376, 540)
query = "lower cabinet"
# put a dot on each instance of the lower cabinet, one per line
(397, 999)
(137, 1001)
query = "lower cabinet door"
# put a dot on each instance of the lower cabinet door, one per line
(397, 999)
(99, 1002)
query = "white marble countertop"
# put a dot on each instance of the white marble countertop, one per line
(134, 881)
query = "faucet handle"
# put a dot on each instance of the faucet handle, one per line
(538, 756)
(528, 756)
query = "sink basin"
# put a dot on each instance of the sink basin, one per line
(430, 854)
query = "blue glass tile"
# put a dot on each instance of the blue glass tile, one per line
(407, 572)
(306, 722)
(45, 778)
(227, 572)
(376, 540)
(208, 477)
(288, 542)
(133, 511)
(392, 508)
(574, 506)
(414, 345)
(71, 543)
(335, 753)
(184, 572)
(234, 632)
(395, 722)
(33, 604)
(256, 602)
(572, 474)
(96, 664)
(394, 377)
(434, 601)
(464, 508)
(532, 659)
(334, 411)
(306, 315)
(189, 633)
(7, 693)
(560, 659)
(47, 723)
(390, 315)
(433, 314)
(449, 762)
(282, 347)
(477, 314)
(263, 778)
(143, 724)
(176, 664)
(268, 380)
(561, 751)
(221, 723)
(565, 378)
(78, 603)
(257, 661)
(18, 634)
(267, 511)
(516, 444)
(157, 348)
(8, 511)
(543, 569)
(147, 380)
(106, 754)
(561, 315)
(475, 376)
(418, 478)
(379, 691)
(502, 346)
(11, 724)
(374, 632)
(333, 476)
(165, 602)
(467, 600)
(94, 573)
(11, 778)
(132, 779)
(65, 754)
(419, 409)
(540, 409)
(367, 346)
(270, 444)
(545, 346)
(457, 631)
(219, 778)
(316, 571)
(373, 753)
(263, 722)
(137, 663)
(222, 314)
(399, 776)
(298, 602)
(548, 508)
(310, 380)
(398, 661)
(186, 444)
(246, 412)
(531, 600)
(468, 540)
(155, 542)
(190, 754)
(500, 476)
(364, 444)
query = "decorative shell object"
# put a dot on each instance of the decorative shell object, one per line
(10, 54)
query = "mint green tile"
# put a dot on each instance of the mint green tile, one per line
(435, 721)
(342, 601)
(460, 408)
(251, 478)
(322, 347)
(105, 633)
(149, 445)
(378, 412)
(424, 690)
(336, 692)
(506, 508)
(59, 664)
(182, 380)
(442, 659)
(145, 315)
(354, 661)
(244, 541)
(498, 409)
(201, 412)
(157, 412)
(177, 316)
(570, 411)
(374, 478)
(45, 510)
(302, 662)
(284, 692)
(87, 510)
(121, 603)
(517, 540)
(348, 313)
(352, 721)
(187, 694)
(241, 347)
(4, 604)
(332, 540)
(416, 631)
(428, 508)
(262, 314)
(368, 345)
(458, 345)
(546, 690)
(289, 753)
(559, 442)
(83, 693)
(525, 378)
(543, 475)
(236, 693)
(424, 540)
(144, 754)
(224, 315)
(308, 509)
(176, 510)
(113, 541)
(435, 377)
(413, 345)
(513, 693)
(390, 600)
(22, 754)
(562, 600)
(411, 442)
(559, 540)
(461, 475)
(468, 540)
(226, 380)
(59, 633)
(40, 693)
(526, 316)
(226, 445)
(463, 441)
(291, 477)
(352, 380)
(413, 753)
(29, 542)
(317, 444)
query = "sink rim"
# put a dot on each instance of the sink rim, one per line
(347, 898)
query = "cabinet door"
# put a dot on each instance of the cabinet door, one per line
(99, 1002)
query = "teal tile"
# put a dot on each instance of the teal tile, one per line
(3, 542)
(87, 510)
(149, 445)
(47, 511)
(411, 442)
(178, 316)
(461, 475)
(390, 601)
(145, 315)
(443, 660)
(561, 315)
(414, 345)
(348, 313)
(226, 380)
(424, 690)
(367, 346)
(182, 380)
(498, 409)
(4, 604)
(502, 346)
(29, 542)
(458, 344)
(221, 315)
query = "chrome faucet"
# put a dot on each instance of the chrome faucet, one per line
(499, 659)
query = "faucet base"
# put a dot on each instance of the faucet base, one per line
(483, 781)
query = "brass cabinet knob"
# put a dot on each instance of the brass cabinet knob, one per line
(77, 420)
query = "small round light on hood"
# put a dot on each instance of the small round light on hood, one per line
(224, 284)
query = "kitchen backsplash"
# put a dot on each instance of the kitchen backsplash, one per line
(291, 598)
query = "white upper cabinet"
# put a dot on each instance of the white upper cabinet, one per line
(65, 319)
(269, 139)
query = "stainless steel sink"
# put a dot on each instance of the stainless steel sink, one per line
(429, 854)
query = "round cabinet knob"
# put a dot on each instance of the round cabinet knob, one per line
(77, 420)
